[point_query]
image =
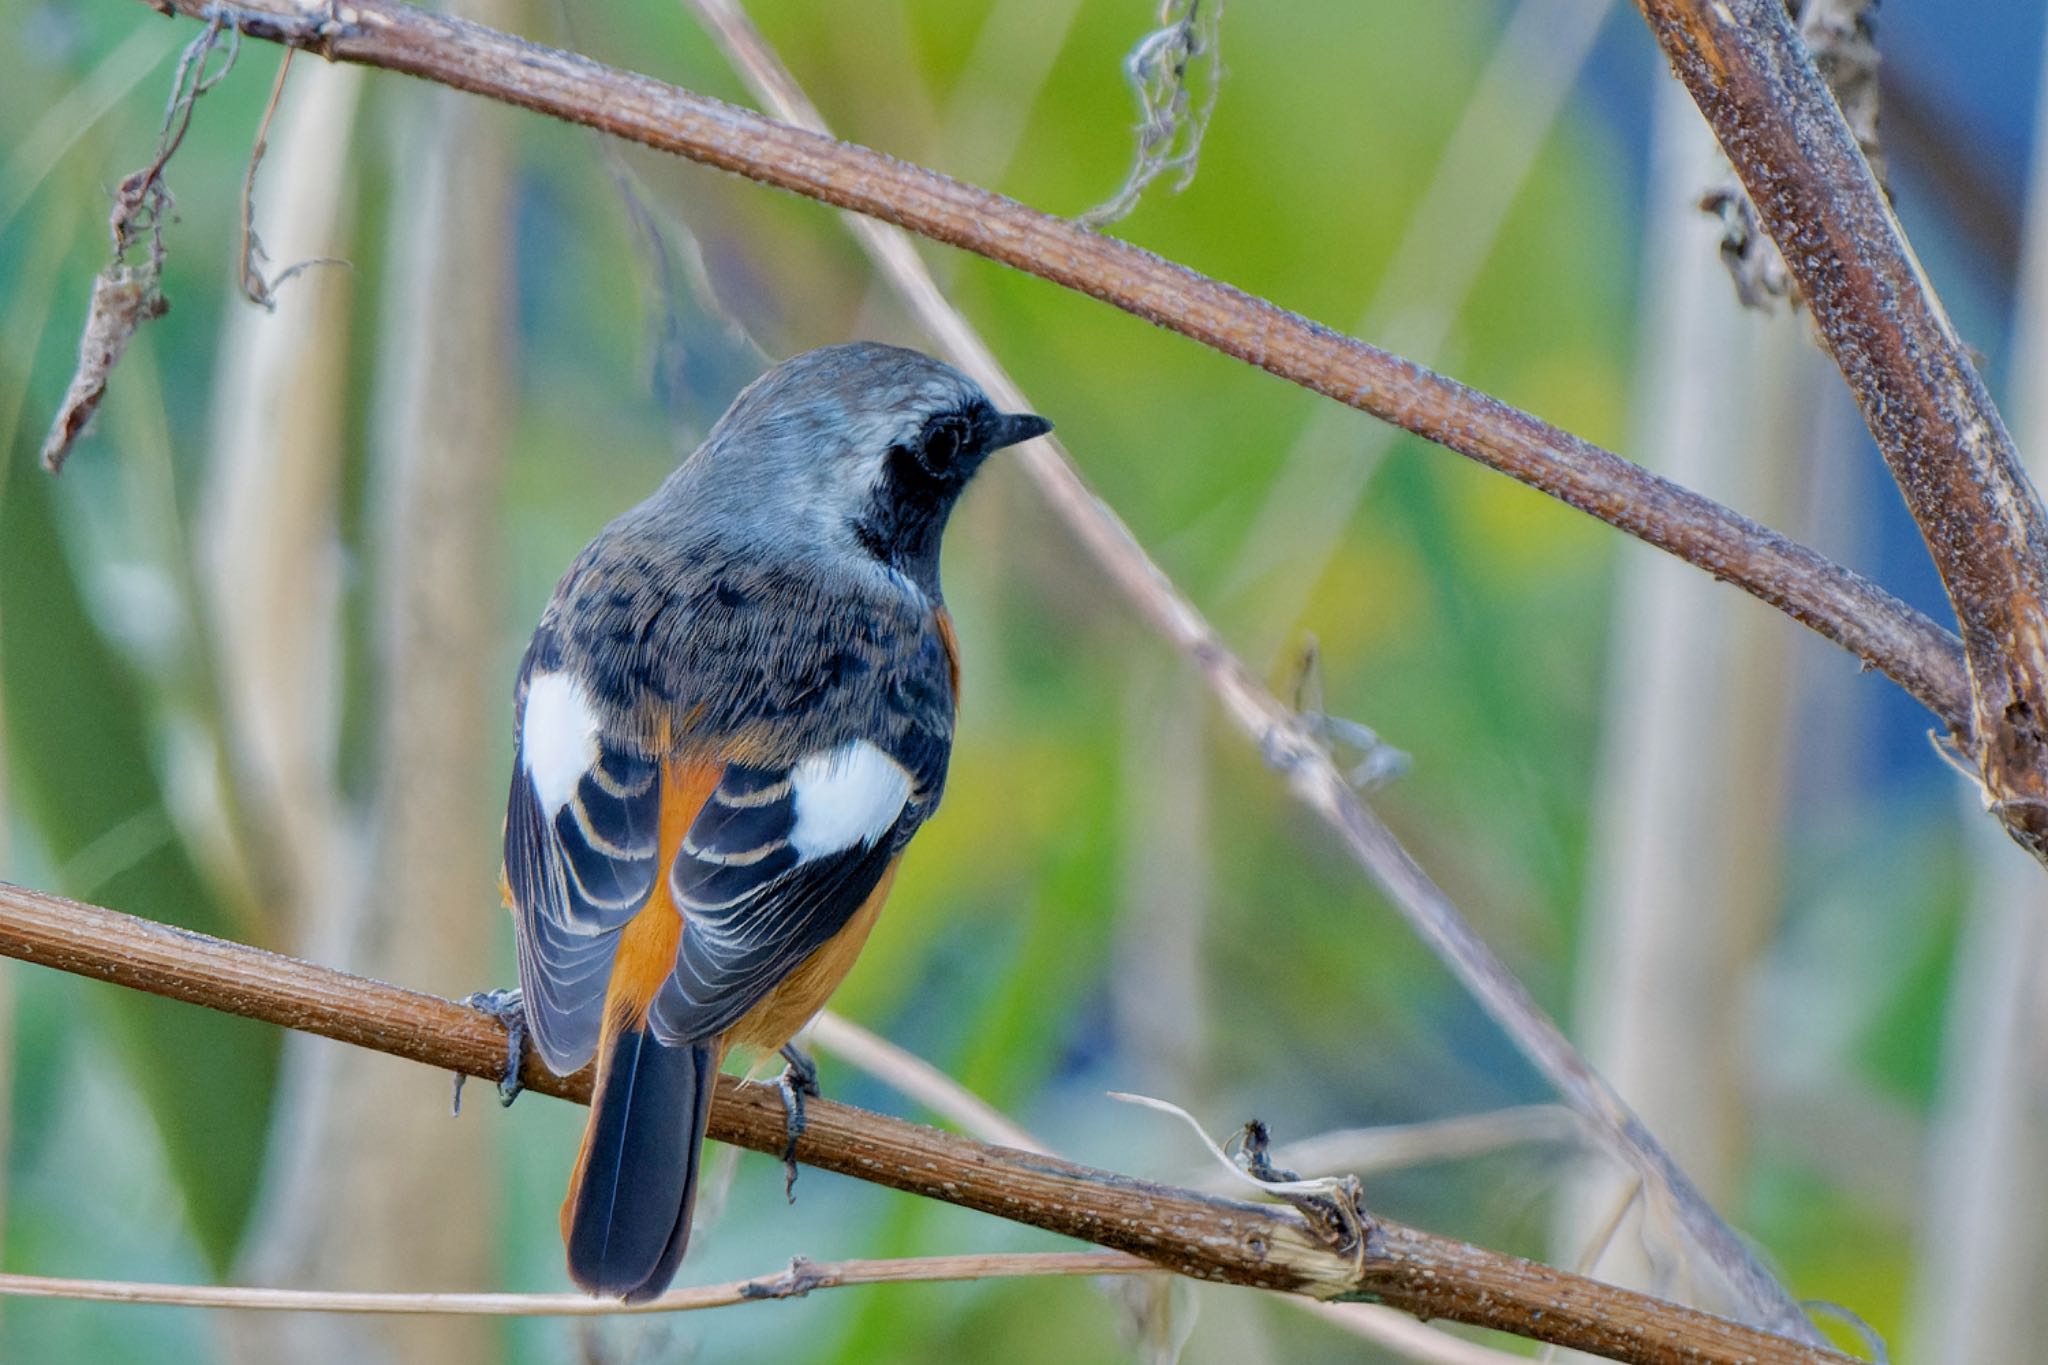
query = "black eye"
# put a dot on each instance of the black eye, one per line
(944, 437)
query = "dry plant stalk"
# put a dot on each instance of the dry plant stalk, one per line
(1286, 1248)
(125, 295)
(1159, 70)
(1838, 34)
(801, 1277)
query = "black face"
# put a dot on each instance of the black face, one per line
(922, 479)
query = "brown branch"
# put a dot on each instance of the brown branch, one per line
(1201, 1236)
(1922, 399)
(1844, 607)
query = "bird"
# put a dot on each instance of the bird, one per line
(735, 712)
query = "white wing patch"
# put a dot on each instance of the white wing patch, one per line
(558, 738)
(849, 796)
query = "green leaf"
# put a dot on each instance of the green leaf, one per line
(81, 764)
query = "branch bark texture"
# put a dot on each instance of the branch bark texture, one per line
(1844, 607)
(1921, 397)
(1201, 1236)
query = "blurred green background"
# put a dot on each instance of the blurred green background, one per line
(257, 643)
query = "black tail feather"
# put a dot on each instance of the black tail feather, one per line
(628, 1219)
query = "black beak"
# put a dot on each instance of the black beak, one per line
(1011, 427)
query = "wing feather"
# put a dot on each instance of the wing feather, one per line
(577, 874)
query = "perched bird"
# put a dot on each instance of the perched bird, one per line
(736, 711)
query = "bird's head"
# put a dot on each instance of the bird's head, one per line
(859, 448)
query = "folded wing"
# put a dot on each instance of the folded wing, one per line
(775, 864)
(581, 844)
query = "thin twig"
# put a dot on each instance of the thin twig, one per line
(914, 1077)
(799, 1279)
(1287, 740)
(1402, 1146)
(254, 288)
(258, 290)
(1855, 613)
(1201, 1236)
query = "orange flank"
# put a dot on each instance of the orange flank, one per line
(943, 619)
(801, 994)
(647, 945)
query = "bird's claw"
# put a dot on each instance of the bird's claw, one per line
(798, 1079)
(1335, 1205)
(508, 1008)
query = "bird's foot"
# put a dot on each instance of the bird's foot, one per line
(1255, 1154)
(508, 1008)
(1334, 1205)
(798, 1080)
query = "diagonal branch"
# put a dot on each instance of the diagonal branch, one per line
(1298, 1250)
(1844, 607)
(1281, 734)
(1921, 397)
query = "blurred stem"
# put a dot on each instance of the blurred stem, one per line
(271, 563)
(1156, 977)
(372, 1166)
(1158, 995)
(988, 110)
(1984, 1251)
(1402, 1146)
(270, 557)
(1449, 237)
(1683, 872)
(33, 155)
(268, 548)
